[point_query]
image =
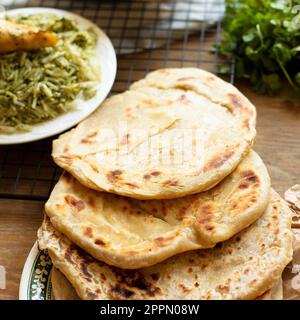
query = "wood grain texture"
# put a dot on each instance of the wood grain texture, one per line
(19, 221)
(278, 136)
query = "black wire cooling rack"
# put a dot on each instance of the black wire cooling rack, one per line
(143, 43)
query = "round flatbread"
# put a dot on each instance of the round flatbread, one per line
(178, 132)
(130, 233)
(243, 267)
(63, 290)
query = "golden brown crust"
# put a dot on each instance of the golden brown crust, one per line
(131, 233)
(243, 267)
(111, 150)
(63, 290)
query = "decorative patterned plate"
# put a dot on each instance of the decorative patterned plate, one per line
(36, 276)
(105, 57)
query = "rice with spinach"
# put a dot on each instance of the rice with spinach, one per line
(40, 85)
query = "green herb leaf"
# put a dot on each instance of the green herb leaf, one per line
(265, 41)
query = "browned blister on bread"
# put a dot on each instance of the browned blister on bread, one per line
(130, 233)
(243, 267)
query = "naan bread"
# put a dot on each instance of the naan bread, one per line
(130, 233)
(178, 132)
(243, 267)
(63, 289)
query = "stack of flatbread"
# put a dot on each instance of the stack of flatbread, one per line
(164, 198)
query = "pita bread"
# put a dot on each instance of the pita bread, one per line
(243, 267)
(131, 233)
(178, 132)
(63, 289)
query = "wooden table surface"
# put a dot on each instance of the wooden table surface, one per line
(278, 132)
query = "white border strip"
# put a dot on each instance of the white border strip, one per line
(26, 273)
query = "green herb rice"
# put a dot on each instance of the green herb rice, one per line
(40, 85)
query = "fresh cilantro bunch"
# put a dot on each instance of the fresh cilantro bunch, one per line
(264, 37)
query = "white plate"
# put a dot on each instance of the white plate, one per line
(104, 56)
(36, 276)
